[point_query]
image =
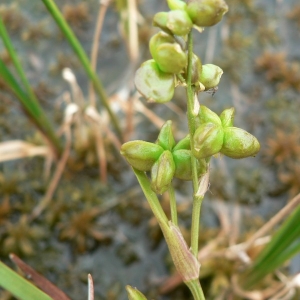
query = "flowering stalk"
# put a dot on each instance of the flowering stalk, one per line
(175, 64)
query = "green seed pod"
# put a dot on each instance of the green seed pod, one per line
(208, 140)
(208, 116)
(179, 22)
(158, 39)
(160, 20)
(206, 12)
(140, 154)
(170, 58)
(153, 84)
(184, 144)
(175, 22)
(239, 143)
(227, 117)
(162, 173)
(210, 76)
(134, 294)
(176, 4)
(183, 167)
(165, 138)
(196, 69)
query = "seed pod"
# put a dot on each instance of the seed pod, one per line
(185, 144)
(140, 154)
(162, 172)
(158, 39)
(210, 76)
(206, 12)
(165, 138)
(239, 143)
(179, 22)
(227, 117)
(160, 20)
(208, 116)
(134, 294)
(208, 140)
(196, 69)
(153, 84)
(176, 4)
(183, 167)
(170, 58)
(175, 22)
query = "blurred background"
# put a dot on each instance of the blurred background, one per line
(85, 213)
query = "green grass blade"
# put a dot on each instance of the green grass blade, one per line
(31, 107)
(65, 28)
(282, 247)
(18, 286)
(10, 49)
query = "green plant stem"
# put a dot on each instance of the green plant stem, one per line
(151, 198)
(197, 201)
(18, 286)
(65, 28)
(195, 289)
(173, 205)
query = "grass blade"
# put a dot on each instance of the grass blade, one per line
(10, 49)
(18, 286)
(283, 245)
(31, 107)
(65, 28)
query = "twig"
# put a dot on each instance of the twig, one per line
(96, 41)
(91, 287)
(59, 169)
(133, 31)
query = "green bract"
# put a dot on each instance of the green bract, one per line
(208, 116)
(239, 143)
(162, 172)
(153, 84)
(165, 138)
(176, 4)
(210, 76)
(208, 140)
(134, 294)
(206, 12)
(227, 117)
(183, 166)
(140, 154)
